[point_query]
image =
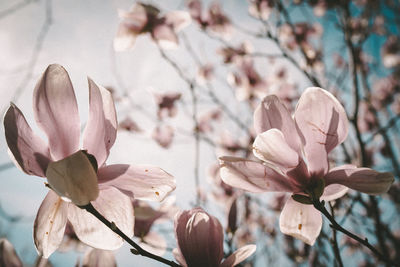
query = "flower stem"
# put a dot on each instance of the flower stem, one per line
(334, 225)
(137, 249)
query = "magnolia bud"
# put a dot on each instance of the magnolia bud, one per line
(74, 178)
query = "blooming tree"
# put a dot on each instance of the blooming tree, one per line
(300, 98)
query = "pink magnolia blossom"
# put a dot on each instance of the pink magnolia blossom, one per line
(248, 82)
(235, 55)
(205, 73)
(261, 9)
(143, 18)
(129, 125)
(213, 19)
(163, 135)
(56, 113)
(8, 255)
(99, 258)
(294, 154)
(166, 103)
(200, 241)
(145, 218)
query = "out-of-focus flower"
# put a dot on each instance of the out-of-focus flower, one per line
(366, 120)
(214, 19)
(248, 82)
(294, 155)
(261, 9)
(144, 18)
(300, 35)
(129, 125)
(200, 241)
(61, 160)
(396, 104)
(357, 28)
(379, 25)
(166, 103)
(71, 241)
(205, 120)
(163, 135)
(205, 73)
(391, 52)
(99, 258)
(383, 91)
(235, 54)
(8, 256)
(145, 217)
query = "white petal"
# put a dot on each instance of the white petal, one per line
(50, 222)
(115, 207)
(301, 221)
(271, 146)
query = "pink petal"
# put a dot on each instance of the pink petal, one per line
(143, 181)
(101, 128)
(238, 256)
(114, 206)
(271, 147)
(323, 125)
(272, 113)
(334, 191)
(199, 237)
(165, 36)
(301, 221)
(178, 19)
(29, 151)
(179, 257)
(56, 111)
(50, 222)
(8, 256)
(135, 19)
(195, 7)
(252, 176)
(99, 258)
(124, 39)
(361, 179)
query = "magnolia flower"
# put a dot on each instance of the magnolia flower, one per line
(200, 241)
(213, 19)
(294, 154)
(78, 176)
(163, 135)
(8, 256)
(235, 54)
(144, 18)
(261, 9)
(248, 82)
(391, 52)
(145, 218)
(99, 258)
(166, 102)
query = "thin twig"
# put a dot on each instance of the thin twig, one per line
(320, 206)
(137, 249)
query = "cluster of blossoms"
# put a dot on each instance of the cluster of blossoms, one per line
(143, 18)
